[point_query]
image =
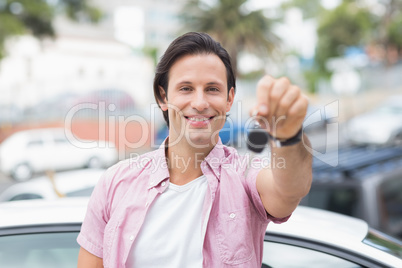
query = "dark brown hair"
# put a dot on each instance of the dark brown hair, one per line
(191, 43)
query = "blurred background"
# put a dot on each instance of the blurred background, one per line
(86, 67)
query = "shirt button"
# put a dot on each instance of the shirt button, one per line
(232, 215)
(131, 238)
(163, 183)
(151, 183)
(146, 203)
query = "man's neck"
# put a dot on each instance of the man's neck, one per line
(184, 162)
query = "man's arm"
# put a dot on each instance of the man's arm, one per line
(286, 181)
(88, 260)
(282, 108)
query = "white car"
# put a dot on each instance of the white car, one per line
(31, 151)
(381, 126)
(43, 234)
(54, 186)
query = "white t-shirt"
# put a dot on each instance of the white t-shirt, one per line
(171, 233)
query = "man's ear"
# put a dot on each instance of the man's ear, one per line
(230, 100)
(163, 101)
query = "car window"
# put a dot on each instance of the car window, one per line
(35, 142)
(390, 195)
(45, 250)
(83, 192)
(60, 140)
(283, 255)
(341, 200)
(26, 196)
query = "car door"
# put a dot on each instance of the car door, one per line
(66, 155)
(38, 152)
(284, 251)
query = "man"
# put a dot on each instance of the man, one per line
(193, 202)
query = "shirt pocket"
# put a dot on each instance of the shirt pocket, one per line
(234, 237)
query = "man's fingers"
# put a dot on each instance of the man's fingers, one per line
(299, 108)
(278, 90)
(289, 123)
(296, 113)
(263, 88)
(281, 106)
(288, 98)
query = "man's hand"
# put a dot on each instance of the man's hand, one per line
(281, 107)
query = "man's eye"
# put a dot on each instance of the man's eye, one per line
(213, 89)
(185, 89)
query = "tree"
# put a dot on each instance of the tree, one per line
(389, 30)
(309, 8)
(18, 17)
(235, 27)
(346, 26)
(353, 23)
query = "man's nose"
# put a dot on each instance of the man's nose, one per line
(199, 101)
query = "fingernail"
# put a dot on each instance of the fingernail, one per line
(263, 109)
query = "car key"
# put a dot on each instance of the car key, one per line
(256, 141)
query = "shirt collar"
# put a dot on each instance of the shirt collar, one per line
(159, 166)
(214, 159)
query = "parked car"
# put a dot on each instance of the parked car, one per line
(233, 133)
(54, 186)
(318, 117)
(38, 233)
(32, 151)
(366, 183)
(43, 234)
(381, 126)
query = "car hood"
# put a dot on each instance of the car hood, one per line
(36, 212)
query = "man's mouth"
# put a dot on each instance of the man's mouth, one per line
(198, 119)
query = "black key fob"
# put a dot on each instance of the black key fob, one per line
(257, 139)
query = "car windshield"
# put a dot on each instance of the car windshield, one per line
(384, 242)
(39, 250)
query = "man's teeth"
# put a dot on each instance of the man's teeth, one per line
(198, 119)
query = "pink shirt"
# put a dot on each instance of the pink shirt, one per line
(234, 218)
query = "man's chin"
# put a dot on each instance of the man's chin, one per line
(200, 140)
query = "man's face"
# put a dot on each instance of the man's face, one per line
(197, 100)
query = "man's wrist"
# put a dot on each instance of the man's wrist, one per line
(287, 142)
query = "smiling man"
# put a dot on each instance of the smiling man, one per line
(193, 202)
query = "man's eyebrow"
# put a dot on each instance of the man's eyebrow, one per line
(208, 84)
(215, 83)
(184, 83)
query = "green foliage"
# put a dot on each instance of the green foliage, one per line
(345, 26)
(151, 52)
(395, 32)
(309, 8)
(18, 17)
(81, 10)
(352, 23)
(237, 28)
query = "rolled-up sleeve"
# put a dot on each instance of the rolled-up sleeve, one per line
(251, 171)
(92, 230)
